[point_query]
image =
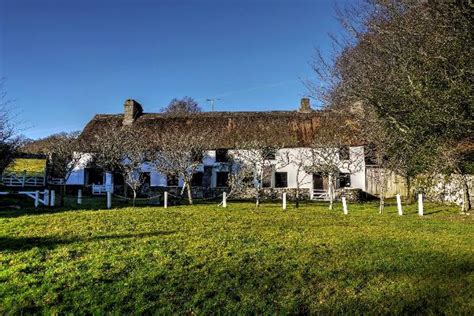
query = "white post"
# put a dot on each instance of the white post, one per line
(109, 182)
(399, 205)
(37, 198)
(284, 200)
(46, 197)
(224, 199)
(109, 199)
(79, 196)
(52, 202)
(344, 205)
(420, 204)
(165, 202)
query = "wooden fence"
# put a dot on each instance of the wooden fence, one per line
(23, 179)
(395, 183)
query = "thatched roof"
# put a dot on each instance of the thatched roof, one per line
(228, 129)
(291, 128)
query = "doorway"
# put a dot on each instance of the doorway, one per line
(318, 183)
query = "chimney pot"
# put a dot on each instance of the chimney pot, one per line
(132, 110)
(305, 106)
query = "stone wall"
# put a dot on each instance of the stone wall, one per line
(444, 189)
(247, 194)
(354, 195)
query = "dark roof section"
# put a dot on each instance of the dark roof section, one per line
(288, 128)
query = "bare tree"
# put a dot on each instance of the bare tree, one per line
(107, 148)
(241, 176)
(179, 153)
(300, 159)
(135, 153)
(258, 159)
(122, 149)
(182, 106)
(65, 154)
(9, 141)
(334, 136)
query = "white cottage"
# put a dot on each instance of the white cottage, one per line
(296, 129)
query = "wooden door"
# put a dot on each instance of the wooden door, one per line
(318, 183)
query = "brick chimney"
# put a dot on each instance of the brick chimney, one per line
(133, 110)
(305, 106)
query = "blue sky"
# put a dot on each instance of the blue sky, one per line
(67, 60)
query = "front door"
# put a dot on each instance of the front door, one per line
(318, 183)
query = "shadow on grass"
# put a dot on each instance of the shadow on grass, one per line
(20, 207)
(26, 243)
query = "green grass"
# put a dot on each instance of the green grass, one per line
(239, 260)
(30, 165)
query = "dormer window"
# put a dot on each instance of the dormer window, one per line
(344, 153)
(172, 180)
(269, 154)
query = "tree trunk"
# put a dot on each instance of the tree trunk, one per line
(134, 197)
(297, 196)
(467, 206)
(190, 196)
(382, 193)
(297, 193)
(408, 197)
(257, 198)
(381, 203)
(330, 192)
(260, 183)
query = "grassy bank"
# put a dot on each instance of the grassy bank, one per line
(237, 260)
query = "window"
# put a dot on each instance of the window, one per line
(118, 178)
(344, 180)
(281, 179)
(267, 177)
(370, 160)
(94, 176)
(196, 180)
(146, 177)
(172, 180)
(221, 155)
(344, 153)
(197, 155)
(269, 153)
(222, 178)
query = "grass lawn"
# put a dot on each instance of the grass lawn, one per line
(32, 166)
(204, 259)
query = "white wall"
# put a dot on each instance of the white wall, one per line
(157, 179)
(358, 172)
(77, 176)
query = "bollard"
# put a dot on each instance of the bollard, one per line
(284, 200)
(109, 199)
(79, 196)
(46, 197)
(344, 205)
(52, 201)
(399, 205)
(37, 198)
(224, 199)
(420, 204)
(165, 202)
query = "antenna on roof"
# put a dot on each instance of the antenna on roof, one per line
(212, 101)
